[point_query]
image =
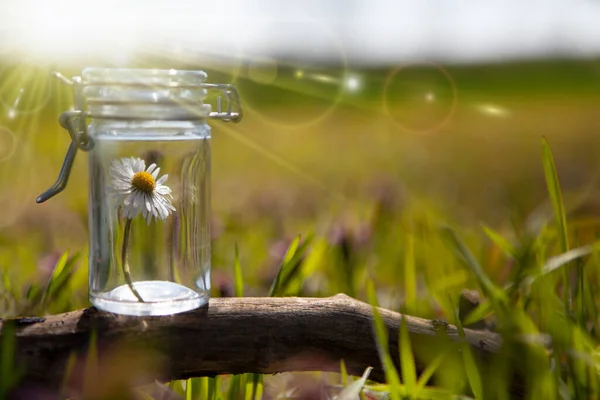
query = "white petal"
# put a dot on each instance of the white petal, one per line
(137, 199)
(161, 207)
(164, 199)
(126, 163)
(159, 210)
(121, 185)
(138, 210)
(162, 179)
(162, 189)
(138, 164)
(155, 173)
(127, 172)
(129, 198)
(124, 174)
(170, 207)
(120, 192)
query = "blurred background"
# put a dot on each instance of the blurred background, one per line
(366, 124)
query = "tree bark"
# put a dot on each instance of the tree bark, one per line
(239, 335)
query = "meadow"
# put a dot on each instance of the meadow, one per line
(405, 185)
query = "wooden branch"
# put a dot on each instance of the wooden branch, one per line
(236, 335)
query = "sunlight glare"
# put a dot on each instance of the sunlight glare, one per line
(324, 78)
(65, 29)
(493, 110)
(353, 84)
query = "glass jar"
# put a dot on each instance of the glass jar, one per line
(148, 140)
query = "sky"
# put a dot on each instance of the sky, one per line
(353, 31)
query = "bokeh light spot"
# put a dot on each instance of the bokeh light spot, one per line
(420, 98)
(493, 110)
(353, 84)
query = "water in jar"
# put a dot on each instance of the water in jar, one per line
(150, 250)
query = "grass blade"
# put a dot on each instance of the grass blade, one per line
(289, 254)
(189, 391)
(9, 375)
(464, 254)
(551, 265)
(237, 274)
(310, 264)
(60, 277)
(410, 275)
(480, 312)
(257, 385)
(290, 266)
(473, 375)
(407, 361)
(214, 388)
(236, 387)
(428, 373)
(391, 375)
(555, 194)
(565, 258)
(500, 241)
(559, 261)
(343, 373)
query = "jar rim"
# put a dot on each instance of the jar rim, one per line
(149, 94)
(162, 94)
(153, 77)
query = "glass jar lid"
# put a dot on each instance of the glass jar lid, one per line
(154, 94)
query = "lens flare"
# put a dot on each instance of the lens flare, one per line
(493, 110)
(263, 71)
(294, 92)
(24, 88)
(420, 98)
(8, 143)
(353, 84)
(16, 177)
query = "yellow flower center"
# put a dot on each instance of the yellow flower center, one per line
(143, 181)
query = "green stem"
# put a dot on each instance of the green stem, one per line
(125, 260)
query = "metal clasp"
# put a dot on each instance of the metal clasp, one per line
(75, 122)
(234, 111)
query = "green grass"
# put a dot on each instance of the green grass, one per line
(354, 203)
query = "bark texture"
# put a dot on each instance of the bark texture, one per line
(238, 335)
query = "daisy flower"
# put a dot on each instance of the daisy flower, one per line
(139, 191)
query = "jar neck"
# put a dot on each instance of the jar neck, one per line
(158, 128)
